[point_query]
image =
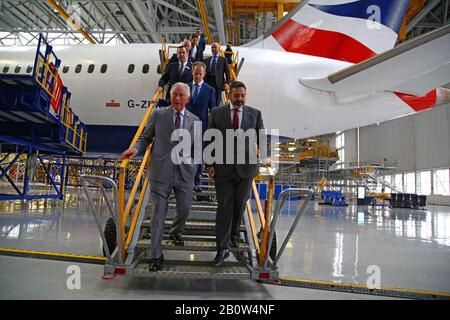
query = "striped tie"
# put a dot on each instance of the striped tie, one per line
(195, 94)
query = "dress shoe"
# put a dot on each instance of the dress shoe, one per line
(234, 242)
(156, 264)
(220, 257)
(177, 240)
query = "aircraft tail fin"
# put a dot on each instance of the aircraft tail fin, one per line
(345, 30)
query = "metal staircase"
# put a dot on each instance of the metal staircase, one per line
(128, 229)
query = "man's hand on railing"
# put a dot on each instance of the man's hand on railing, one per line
(129, 153)
(211, 171)
(158, 89)
(267, 162)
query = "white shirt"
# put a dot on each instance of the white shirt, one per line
(194, 51)
(240, 114)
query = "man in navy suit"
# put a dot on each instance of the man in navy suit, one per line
(203, 99)
(217, 72)
(176, 72)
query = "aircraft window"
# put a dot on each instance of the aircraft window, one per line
(103, 68)
(5, 68)
(66, 69)
(91, 68)
(17, 69)
(29, 69)
(145, 68)
(131, 68)
(78, 68)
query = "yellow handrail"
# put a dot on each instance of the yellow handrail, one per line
(202, 11)
(268, 219)
(252, 225)
(123, 214)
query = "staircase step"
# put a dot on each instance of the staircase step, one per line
(191, 224)
(190, 245)
(194, 270)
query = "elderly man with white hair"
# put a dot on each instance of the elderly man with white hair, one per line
(165, 173)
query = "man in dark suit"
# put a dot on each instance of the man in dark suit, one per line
(176, 72)
(196, 52)
(187, 44)
(233, 177)
(164, 172)
(203, 99)
(217, 72)
(201, 39)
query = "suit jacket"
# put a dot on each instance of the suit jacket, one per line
(170, 76)
(198, 54)
(202, 43)
(159, 131)
(222, 74)
(204, 103)
(220, 119)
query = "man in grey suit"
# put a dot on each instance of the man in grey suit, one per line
(217, 72)
(233, 177)
(169, 170)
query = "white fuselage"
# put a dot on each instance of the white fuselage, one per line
(272, 80)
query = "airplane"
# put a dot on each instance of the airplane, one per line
(327, 66)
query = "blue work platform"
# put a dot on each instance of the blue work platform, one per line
(37, 123)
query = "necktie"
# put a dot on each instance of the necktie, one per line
(177, 121)
(212, 70)
(195, 94)
(180, 71)
(236, 119)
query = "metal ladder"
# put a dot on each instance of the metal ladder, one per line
(199, 236)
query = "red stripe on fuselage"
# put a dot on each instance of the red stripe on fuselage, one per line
(423, 103)
(298, 38)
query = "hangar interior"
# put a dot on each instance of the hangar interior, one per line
(380, 194)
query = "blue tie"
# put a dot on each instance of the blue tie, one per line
(195, 94)
(212, 70)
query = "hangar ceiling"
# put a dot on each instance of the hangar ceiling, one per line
(137, 21)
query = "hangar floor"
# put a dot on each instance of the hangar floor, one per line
(411, 248)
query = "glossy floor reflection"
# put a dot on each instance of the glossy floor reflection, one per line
(410, 249)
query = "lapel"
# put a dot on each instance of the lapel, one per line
(227, 115)
(169, 119)
(187, 120)
(245, 118)
(191, 88)
(187, 68)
